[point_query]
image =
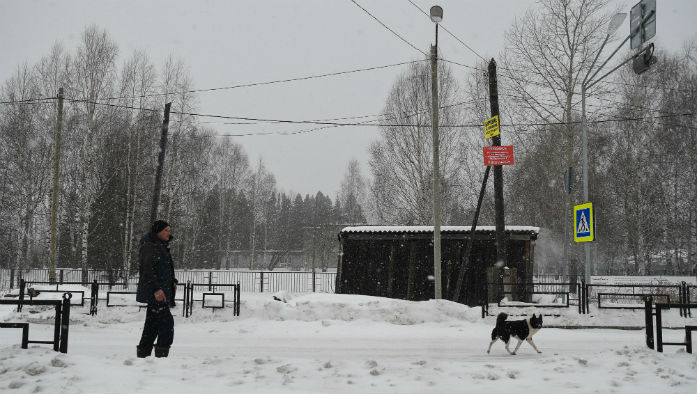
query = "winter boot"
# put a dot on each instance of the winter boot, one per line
(162, 351)
(143, 351)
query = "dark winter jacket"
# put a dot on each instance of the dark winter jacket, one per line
(156, 270)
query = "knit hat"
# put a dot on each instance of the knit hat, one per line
(158, 226)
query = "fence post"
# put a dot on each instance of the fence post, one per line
(65, 322)
(57, 327)
(237, 299)
(685, 300)
(22, 284)
(209, 280)
(578, 296)
(313, 280)
(659, 334)
(688, 339)
(648, 322)
(60, 276)
(12, 278)
(25, 336)
(187, 303)
(261, 281)
(94, 297)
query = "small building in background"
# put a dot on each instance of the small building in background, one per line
(397, 262)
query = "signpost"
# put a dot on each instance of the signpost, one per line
(491, 127)
(584, 225)
(498, 155)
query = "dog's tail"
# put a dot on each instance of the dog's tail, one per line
(501, 318)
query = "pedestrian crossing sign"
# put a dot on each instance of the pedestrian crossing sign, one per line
(584, 230)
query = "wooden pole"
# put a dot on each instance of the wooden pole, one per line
(161, 160)
(501, 256)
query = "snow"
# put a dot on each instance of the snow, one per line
(329, 343)
(429, 229)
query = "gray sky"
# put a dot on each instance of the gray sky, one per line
(227, 43)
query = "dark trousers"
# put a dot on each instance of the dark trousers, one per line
(159, 324)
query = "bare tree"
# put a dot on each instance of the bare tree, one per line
(138, 80)
(26, 160)
(353, 193)
(94, 65)
(401, 161)
(261, 187)
(548, 51)
(231, 171)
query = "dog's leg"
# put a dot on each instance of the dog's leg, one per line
(491, 344)
(529, 340)
(520, 342)
(507, 347)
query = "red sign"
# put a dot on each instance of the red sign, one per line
(498, 155)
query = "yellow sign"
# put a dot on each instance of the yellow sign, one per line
(584, 226)
(492, 128)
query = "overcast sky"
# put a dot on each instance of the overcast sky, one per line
(227, 43)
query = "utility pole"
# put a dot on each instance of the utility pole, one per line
(161, 160)
(465, 260)
(437, 258)
(54, 198)
(497, 172)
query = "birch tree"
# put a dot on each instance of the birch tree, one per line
(94, 66)
(138, 79)
(261, 187)
(401, 161)
(26, 150)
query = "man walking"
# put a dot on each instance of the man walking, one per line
(157, 285)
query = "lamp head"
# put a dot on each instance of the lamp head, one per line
(436, 13)
(616, 22)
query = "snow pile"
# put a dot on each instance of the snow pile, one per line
(318, 306)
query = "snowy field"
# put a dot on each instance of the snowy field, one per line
(327, 343)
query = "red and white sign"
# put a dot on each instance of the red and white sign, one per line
(498, 155)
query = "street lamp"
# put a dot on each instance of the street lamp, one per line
(615, 24)
(436, 17)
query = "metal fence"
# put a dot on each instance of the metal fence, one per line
(250, 281)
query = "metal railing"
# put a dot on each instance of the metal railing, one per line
(250, 281)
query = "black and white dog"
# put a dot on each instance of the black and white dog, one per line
(522, 329)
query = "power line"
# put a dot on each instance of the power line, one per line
(42, 100)
(628, 119)
(330, 124)
(253, 84)
(388, 28)
(305, 131)
(463, 65)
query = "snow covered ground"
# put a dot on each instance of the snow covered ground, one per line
(328, 343)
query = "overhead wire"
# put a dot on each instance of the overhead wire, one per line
(263, 83)
(40, 100)
(388, 28)
(304, 131)
(369, 123)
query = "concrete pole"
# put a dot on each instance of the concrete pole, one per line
(54, 198)
(437, 258)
